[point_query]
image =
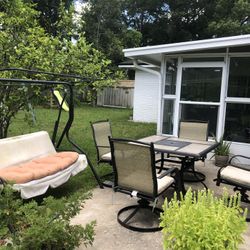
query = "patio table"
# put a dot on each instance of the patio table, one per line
(187, 150)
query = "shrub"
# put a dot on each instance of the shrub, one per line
(47, 225)
(203, 221)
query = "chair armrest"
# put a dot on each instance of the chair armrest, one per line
(240, 165)
(167, 172)
(238, 156)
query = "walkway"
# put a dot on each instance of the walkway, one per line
(103, 208)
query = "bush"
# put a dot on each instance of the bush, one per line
(45, 226)
(203, 221)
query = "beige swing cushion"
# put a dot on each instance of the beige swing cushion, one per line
(32, 164)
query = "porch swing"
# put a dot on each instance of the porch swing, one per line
(33, 162)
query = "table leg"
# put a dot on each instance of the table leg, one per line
(186, 164)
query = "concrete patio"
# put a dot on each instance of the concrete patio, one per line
(105, 204)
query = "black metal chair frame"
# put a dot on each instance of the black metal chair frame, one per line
(144, 199)
(237, 187)
(99, 160)
(101, 146)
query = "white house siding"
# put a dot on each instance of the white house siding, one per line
(237, 148)
(145, 97)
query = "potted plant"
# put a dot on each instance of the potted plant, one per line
(202, 221)
(221, 153)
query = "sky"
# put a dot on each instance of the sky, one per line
(78, 5)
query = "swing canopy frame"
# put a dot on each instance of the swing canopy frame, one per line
(68, 86)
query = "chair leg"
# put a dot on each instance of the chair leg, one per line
(94, 173)
(142, 204)
(244, 195)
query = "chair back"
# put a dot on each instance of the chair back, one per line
(133, 164)
(194, 130)
(101, 132)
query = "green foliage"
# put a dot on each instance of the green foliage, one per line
(168, 21)
(161, 21)
(56, 16)
(231, 17)
(45, 226)
(103, 26)
(25, 44)
(202, 221)
(223, 148)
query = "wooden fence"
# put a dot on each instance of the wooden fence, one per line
(120, 96)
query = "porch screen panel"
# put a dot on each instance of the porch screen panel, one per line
(237, 124)
(170, 78)
(201, 113)
(201, 84)
(239, 77)
(167, 125)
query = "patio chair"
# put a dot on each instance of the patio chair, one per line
(236, 174)
(190, 130)
(194, 130)
(101, 132)
(135, 175)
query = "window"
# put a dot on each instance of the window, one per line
(167, 126)
(239, 77)
(201, 113)
(201, 84)
(237, 124)
(170, 80)
(203, 59)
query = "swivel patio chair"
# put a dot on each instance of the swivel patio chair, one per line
(101, 132)
(236, 174)
(135, 174)
(190, 130)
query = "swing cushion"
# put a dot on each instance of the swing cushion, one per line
(38, 168)
(31, 162)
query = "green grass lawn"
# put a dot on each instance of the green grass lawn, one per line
(81, 133)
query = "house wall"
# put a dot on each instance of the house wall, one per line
(145, 97)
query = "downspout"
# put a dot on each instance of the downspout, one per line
(159, 125)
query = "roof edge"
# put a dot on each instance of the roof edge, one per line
(189, 46)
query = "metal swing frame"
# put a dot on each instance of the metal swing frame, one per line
(69, 86)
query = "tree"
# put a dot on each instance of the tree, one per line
(55, 16)
(25, 44)
(189, 19)
(83, 59)
(146, 17)
(231, 17)
(169, 21)
(22, 44)
(103, 26)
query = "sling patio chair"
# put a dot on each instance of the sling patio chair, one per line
(190, 130)
(101, 132)
(135, 174)
(236, 174)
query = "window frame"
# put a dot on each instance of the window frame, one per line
(176, 97)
